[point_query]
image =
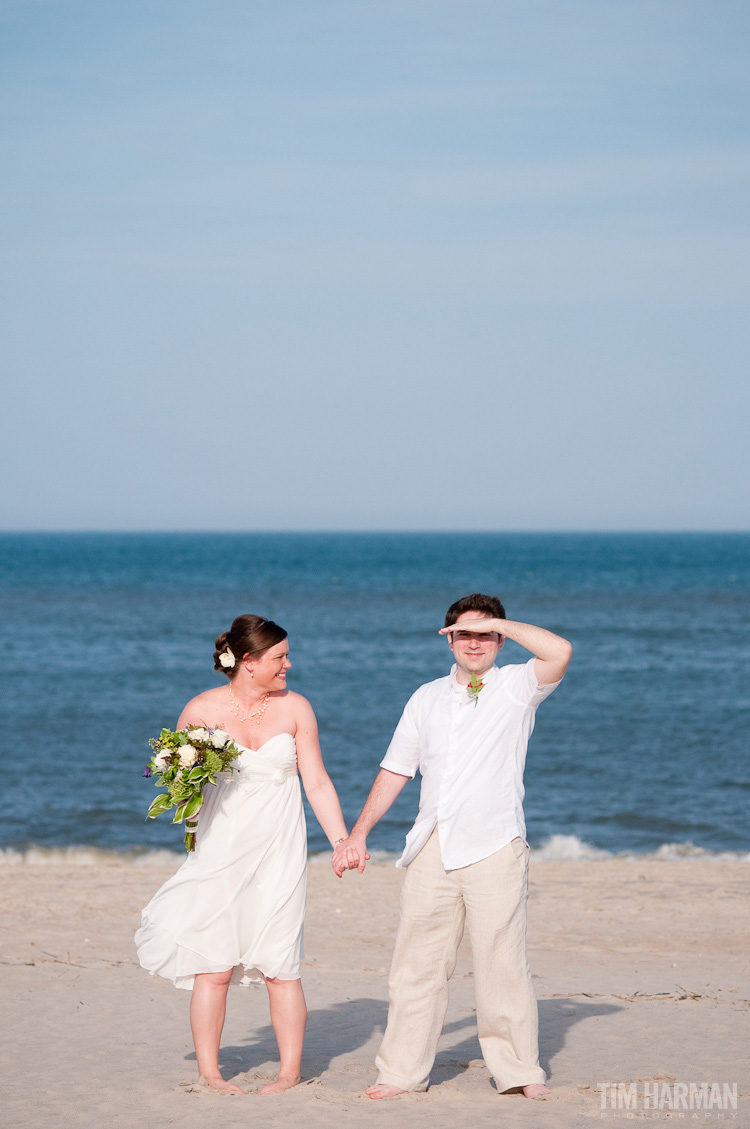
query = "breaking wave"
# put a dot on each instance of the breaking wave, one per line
(569, 848)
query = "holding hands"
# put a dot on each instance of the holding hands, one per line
(349, 854)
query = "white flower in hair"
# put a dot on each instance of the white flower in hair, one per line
(188, 756)
(227, 659)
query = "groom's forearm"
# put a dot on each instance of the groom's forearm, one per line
(352, 853)
(542, 643)
(386, 787)
(552, 651)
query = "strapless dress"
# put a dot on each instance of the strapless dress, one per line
(238, 900)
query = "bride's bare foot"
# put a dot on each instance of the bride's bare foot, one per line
(536, 1091)
(283, 1082)
(216, 1082)
(381, 1090)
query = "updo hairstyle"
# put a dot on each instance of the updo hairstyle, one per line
(249, 635)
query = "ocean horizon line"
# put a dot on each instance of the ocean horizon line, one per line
(379, 532)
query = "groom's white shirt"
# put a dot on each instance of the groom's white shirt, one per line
(471, 756)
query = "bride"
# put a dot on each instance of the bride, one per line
(234, 910)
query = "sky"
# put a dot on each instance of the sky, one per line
(375, 264)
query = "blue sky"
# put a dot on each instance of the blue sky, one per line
(375, 265)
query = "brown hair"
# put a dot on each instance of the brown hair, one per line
(477, 602)
(249, 635)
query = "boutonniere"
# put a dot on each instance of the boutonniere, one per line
(475, 687)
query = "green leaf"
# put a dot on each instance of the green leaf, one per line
(179, 787)
(161, 804)
(193, 805)
(179, 815)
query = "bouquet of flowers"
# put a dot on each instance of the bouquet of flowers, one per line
(184, 761)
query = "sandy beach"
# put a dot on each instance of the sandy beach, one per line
(641, 970)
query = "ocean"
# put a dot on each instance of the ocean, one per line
(642, 749)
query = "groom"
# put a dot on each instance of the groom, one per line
(466, 855)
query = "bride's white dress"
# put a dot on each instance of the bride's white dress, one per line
(238, 901)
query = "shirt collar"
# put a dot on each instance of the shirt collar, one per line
(462, 692)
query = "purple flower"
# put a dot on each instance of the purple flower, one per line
(147, 771)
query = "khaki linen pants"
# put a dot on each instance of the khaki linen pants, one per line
(490, 896)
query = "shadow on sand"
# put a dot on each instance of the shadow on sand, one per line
(556, 1017)
(351, 1024)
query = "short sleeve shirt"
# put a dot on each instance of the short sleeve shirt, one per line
(471, 753)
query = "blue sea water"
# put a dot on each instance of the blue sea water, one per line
(104, 637)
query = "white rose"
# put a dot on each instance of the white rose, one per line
(219, 738)
(199, 734)
(162, 761)
(188, 756)
(227, 659)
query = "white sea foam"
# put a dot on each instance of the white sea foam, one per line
(569, 848)
(86, 856)
(688, 851)
(558, 848)
(95, 856)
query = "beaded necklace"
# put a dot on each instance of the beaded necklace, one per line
(254, 715)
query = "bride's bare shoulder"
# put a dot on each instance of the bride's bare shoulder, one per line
(202, 709)
(299, 705)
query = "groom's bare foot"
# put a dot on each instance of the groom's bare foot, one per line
(283, 1082)
(216, 1082)
(381, 1090)
(536, 1091)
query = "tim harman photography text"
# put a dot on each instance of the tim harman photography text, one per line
(679, 1100)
